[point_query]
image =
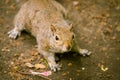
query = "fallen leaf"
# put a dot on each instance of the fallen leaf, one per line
(27, 59)
(64, 74)
(78, 71)
(15, 67)
(5, 49)
(75, 3)
(69, 64)
(34, 53)
(38, 66)
(7, 1)
(1, 20)
(104, 48)
(29, 65)
(104, 68)
(118, 28)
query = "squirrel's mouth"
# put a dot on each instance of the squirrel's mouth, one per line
(61, 49)
(66, 49)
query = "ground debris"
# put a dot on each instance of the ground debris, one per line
(83, 68)
(39, 66)
(75, 3)
(69, 64)
(102, 67)
(22, 62)
(29, 65)
(5, 49)
(118, 28)
(64, 74)
(1, 20)
(44, 74)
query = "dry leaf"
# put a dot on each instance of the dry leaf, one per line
(75, 3)
(29, 65)
(5, 49)
(27, 60)
(69, 64)
(34, 53)
(118, 28)
(38, 66)
(104, 68)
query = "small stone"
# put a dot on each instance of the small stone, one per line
(83, 68)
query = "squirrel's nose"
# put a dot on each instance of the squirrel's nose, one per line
(68, 47)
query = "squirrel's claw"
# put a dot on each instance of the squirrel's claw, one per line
(84, 52)
(13, 33)
(54, 67)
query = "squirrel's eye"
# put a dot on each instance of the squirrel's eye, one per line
(73, 36)
(56, 38)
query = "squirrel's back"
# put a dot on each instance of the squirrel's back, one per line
(40, 14)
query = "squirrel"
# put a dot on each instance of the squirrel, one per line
(45, 20)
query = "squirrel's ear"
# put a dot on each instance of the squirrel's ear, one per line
(52, 27)
(71, 26)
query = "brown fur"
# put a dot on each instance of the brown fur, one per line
(45, 20)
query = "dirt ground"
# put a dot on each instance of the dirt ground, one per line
(97, 28)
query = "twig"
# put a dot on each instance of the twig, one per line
(26, 73)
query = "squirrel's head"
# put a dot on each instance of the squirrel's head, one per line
(62, 38)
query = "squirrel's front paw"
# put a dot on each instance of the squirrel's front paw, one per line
(84, 52)
(14, 33)
(54, 67)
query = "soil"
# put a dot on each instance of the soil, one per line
(97, 28)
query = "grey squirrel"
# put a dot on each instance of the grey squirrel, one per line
(44, 19)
